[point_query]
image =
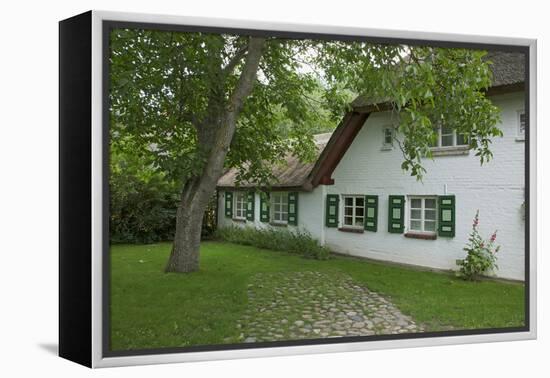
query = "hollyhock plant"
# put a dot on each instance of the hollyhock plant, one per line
(481, 255)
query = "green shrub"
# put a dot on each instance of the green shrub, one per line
(299, 242)
(481, 255)
(142, 210)
(144, 201)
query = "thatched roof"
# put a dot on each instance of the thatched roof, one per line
(508, 71)
(507, 68)
(293, 174)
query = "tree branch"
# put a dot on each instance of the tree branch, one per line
(247, 78)
(224, 127)
(230, 66)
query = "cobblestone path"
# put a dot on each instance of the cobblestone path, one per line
(310, 305)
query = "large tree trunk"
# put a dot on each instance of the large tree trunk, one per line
(215, 135)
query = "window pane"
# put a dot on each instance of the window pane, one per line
(429, 203)
(359, 211)
(446, 140)
(359, 221)
(348, 221)
(446, 131)
(284, 198)
(416, 225)
(429, 226)
(416, 214)
(348, 211)
(277, 207)
(416, 203)
(461, 140)
(349, 201)
(284, 216)
(359, 201)
(429, 214)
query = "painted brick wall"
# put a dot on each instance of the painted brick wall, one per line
(310, 212)
(496, 189)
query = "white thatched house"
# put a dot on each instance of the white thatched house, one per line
(357, 200)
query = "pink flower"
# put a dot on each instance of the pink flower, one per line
(494, 236)
(476, 220)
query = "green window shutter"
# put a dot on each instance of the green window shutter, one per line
(293, 208)
(250, 206)
(331, 219)
(447, 216)
(371, 213)
(396, 216)
(228, 204)
(264, 207)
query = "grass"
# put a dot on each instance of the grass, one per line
(151, 309)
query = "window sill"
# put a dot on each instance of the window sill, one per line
(352, 230)
(450, 151)
(241, 220)
(275, 224)
(420, 235)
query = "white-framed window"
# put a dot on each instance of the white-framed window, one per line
(279, 207)
(387, 137)
(422, 214)
(521, 124)
(448, 137)
(239, 205)
(353, 214)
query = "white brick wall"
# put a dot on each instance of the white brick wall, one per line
(496, 189)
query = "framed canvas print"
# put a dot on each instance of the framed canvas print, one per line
(233, 189)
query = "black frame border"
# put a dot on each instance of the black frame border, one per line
(109, 25)
(75, 188)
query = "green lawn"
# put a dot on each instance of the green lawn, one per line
(151, 309)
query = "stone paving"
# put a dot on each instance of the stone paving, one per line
(310, 305)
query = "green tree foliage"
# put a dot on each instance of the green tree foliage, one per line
(142, 202)
(163, 81)
(163, 84)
